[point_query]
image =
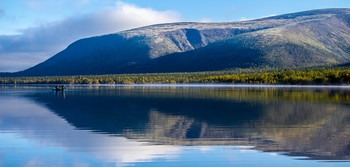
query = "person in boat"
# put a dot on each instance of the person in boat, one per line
(57, 87)
(63, 87)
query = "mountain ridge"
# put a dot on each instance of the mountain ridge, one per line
(302, 39)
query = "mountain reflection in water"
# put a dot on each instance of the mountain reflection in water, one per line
(309, 122)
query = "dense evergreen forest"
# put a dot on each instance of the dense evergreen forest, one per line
(324, 75)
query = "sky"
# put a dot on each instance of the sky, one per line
(32, 31)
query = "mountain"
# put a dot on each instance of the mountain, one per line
(304, 39)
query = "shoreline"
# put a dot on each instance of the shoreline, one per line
(194, 85)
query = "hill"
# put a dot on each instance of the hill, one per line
(304, 39)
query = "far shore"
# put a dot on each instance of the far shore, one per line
(194, 85)
(324, 76)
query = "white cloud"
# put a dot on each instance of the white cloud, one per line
(36, 44)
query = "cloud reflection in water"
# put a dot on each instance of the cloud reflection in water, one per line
(25, 125)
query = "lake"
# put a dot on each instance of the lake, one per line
(183, 125)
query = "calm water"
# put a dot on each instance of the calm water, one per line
(174, 126)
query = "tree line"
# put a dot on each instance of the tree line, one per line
(338, 75)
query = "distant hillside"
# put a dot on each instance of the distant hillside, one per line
(311, 38)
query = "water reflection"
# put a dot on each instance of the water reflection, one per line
(32, 123)
(117, 123)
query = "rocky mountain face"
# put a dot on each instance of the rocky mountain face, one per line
(311, 38)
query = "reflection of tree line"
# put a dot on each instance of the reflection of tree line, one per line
(328, 95)
(312, 123)
(315, 130)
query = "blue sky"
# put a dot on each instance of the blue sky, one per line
(34, 30)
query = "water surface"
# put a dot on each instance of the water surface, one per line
(174, 126)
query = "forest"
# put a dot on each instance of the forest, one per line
(321, 75)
